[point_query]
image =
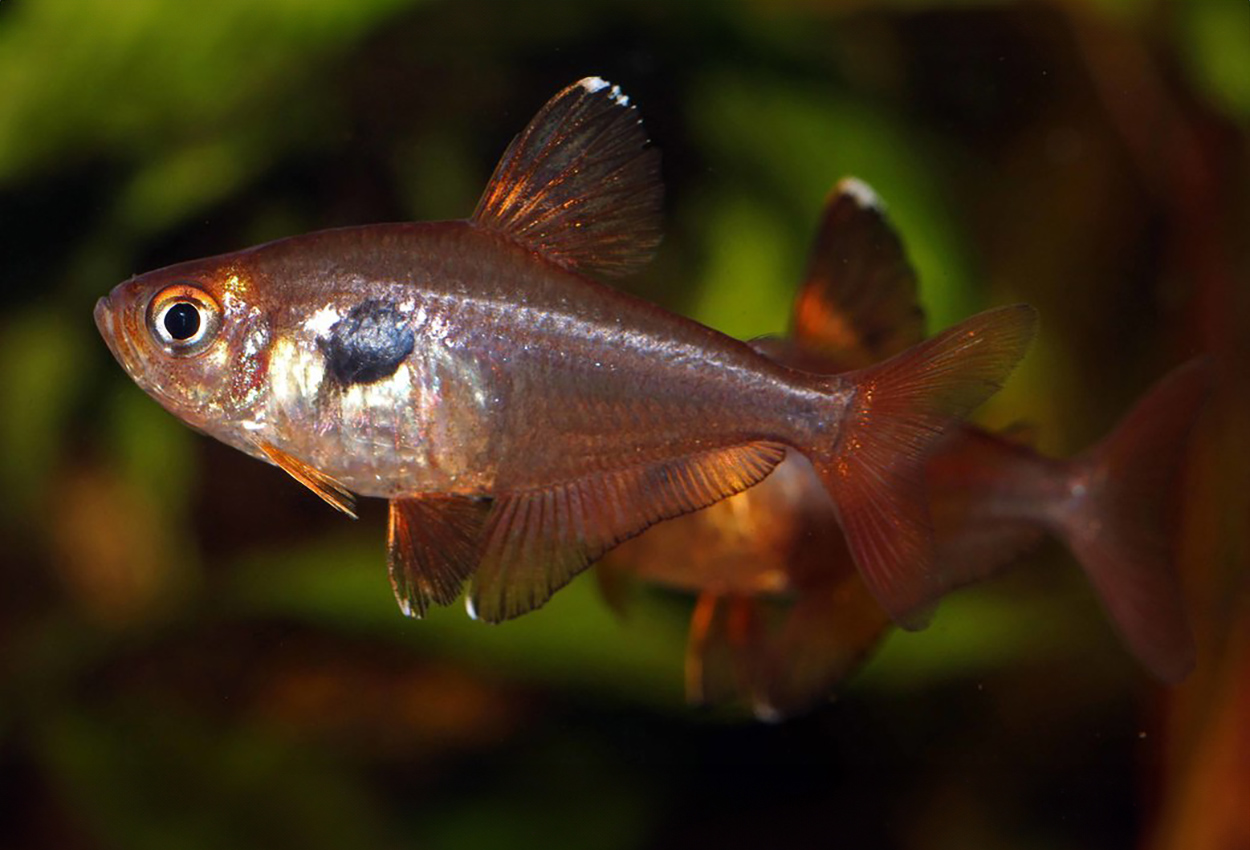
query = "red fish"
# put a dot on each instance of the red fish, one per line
(521, 417)
(782, 616)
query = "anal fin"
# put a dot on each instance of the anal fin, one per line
(331, 491)
(433, 544)
(824, 635)
(537, 540)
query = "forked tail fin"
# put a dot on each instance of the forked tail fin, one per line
(874, 469)
(1114, 520)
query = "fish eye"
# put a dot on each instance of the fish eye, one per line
(184, 319)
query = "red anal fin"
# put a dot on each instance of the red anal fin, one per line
(900, 411)
(433, 544)
(580, 185)
(784, 656)
(536, 541)
(824, 636)
(331, 491)
(858, 304)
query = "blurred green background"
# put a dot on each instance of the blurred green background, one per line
(194, 652)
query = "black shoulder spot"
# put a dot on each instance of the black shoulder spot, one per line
(367, 344)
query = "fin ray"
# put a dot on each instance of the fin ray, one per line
(969, 473)
(331, 492)
(432, 547)
(859, 302)
(875, 470)
(1117, 532)
(526, 558)
(580, 185)
(824, 636)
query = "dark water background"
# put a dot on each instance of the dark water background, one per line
(194, 652)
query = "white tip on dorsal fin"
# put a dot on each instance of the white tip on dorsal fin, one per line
(860, 192)
(580, 185)
(859, 303)
(594, 85)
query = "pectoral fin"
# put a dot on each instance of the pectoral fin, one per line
(536, 541)
(433, 544)
(323, 485)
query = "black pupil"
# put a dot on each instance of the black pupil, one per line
(182, 321)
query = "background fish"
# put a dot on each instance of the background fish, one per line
(781, 615)
(522, 418)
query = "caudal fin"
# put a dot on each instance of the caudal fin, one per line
(874, 470)
(1114, 521)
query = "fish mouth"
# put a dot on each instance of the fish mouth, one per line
(113, 333)
(117, 329)
(104, 317)
(107, 328)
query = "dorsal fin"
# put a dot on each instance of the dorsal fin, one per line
(858, 304)
(580, 185)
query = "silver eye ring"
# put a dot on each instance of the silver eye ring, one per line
(184, 319)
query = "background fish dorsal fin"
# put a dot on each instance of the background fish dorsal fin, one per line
(858, 304)
(580, 185)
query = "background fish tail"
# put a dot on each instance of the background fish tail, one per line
(1116, 527)
(874, 469)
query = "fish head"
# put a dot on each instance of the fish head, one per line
(193, 336)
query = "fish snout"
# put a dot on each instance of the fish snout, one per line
(110, 325)
(104, 317)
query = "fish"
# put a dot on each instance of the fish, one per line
(782, 616)
(521, 416)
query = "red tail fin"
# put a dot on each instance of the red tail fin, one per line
(1114, 525)
(875, 468)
